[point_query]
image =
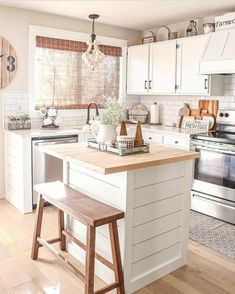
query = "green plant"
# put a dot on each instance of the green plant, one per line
(112, 113)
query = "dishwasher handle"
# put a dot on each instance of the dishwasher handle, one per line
(48, 142)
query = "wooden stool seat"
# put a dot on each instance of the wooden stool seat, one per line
(91, 213)
(78, 205)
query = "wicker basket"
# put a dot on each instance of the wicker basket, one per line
(141, 118)
(125, 142)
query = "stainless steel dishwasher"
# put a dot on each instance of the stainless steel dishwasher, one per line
(46, 168)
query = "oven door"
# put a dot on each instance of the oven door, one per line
(214, 172)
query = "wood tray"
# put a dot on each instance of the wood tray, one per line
(115, 150)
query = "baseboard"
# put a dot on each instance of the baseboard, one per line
(156, 274)
(2, 196)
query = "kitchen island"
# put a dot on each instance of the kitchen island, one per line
(154, 191)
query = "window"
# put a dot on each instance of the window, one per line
(63, 80)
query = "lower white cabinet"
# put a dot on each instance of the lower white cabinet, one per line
(177, 141)
(153, 137)
(18, 183)
(180, 141)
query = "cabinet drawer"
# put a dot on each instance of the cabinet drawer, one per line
(151, 137)
(177, 141)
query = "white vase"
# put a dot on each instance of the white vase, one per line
(107, 134)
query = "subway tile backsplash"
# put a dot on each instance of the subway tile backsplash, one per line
(17, 102)
(170, 105)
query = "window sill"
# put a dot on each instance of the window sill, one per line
(65, 112)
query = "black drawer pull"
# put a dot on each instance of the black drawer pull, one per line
(176, 142)
(150, 138)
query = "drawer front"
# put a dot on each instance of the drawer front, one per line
(151, 137)
(177, 141)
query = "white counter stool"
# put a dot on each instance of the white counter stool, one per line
(93, 214)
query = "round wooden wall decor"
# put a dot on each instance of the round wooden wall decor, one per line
(7, 63)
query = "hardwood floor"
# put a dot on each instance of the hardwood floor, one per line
(207, 272)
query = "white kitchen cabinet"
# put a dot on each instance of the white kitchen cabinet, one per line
(18, 185)
(189, 81)
(152, 137)
(171, 68)
(162, 73)
(177, 141)
(138, 69)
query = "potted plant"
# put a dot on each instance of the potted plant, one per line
(104, 127)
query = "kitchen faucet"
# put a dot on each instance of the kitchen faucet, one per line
(88, 111)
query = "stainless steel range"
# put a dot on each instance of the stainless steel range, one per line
(213, 190)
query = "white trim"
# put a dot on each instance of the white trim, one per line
(75, 36)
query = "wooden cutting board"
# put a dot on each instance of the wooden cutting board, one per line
(212, 106)
(184, 111)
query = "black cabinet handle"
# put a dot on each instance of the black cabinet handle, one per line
(145, 85)
(206, 84)
(150, 84)
(150, 138)
(176, 142)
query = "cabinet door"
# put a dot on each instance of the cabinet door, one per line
(162, 78)
(137, 71)
(189, 53)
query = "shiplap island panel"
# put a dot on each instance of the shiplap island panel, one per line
(154, 191)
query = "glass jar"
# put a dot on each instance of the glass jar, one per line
(191, 29)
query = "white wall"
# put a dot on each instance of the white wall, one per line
(14, 26)
(180, 27)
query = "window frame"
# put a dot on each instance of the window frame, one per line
(74, 36)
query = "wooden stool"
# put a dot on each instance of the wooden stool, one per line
(91, 213)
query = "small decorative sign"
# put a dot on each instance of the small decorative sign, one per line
(199, 125)
(225, 21)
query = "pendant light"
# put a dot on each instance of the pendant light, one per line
(93, 55)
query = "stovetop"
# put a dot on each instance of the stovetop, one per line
(225, 133)
(216, 136)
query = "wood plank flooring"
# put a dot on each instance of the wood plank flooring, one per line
(207, 272)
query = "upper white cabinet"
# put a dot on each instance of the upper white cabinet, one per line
(170, 68)
(138, 69)
(189, 53)
(162, 74)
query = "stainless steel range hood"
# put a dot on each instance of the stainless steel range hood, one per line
(219, 54)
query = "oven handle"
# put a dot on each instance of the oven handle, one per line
(222, 151)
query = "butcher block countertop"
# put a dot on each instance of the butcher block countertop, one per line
(107, 163)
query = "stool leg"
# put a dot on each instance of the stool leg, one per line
(61, 228)
(113, 230)
(37, 229)
(90, 260)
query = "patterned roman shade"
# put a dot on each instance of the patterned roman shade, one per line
(75, 46)
(64, 81)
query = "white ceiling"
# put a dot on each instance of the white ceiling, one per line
(138, 15)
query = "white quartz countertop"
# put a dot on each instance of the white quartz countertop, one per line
(40, 132)
(168, 129)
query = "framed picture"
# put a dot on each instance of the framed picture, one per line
(150, 39)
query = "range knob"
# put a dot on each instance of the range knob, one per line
(226, 114)
(221, 114)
